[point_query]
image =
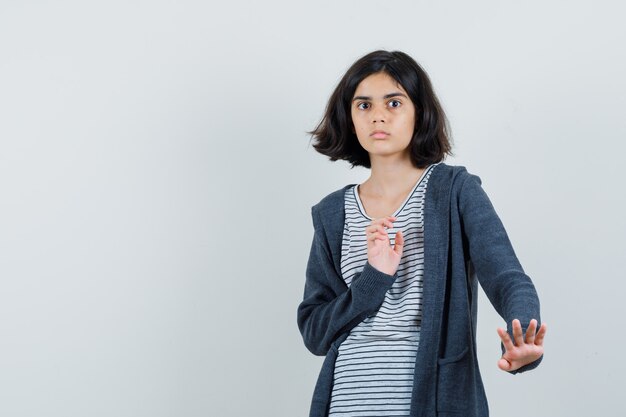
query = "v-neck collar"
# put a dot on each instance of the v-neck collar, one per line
(406, 200)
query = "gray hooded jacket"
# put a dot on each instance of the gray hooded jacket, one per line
(464, 242)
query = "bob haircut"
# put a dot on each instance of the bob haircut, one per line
(335, 135)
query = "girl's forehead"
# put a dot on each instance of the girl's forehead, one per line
(380, 83)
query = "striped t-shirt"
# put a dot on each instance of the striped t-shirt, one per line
(375, 365)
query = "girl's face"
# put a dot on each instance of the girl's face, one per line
(381, 104)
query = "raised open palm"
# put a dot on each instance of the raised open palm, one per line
(524, 350)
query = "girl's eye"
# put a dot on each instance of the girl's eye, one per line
(361, 104)
(395, 101)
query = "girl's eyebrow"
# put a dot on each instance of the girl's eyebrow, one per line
(396, 94)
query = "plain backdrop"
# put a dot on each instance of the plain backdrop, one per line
(156, 181)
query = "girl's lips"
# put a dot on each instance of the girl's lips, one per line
(380, 135)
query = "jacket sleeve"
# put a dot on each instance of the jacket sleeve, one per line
(499, 272)
(323, 315)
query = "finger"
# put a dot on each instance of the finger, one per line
(386, 221)
(399, 238)
(382, 236)
(373, 236)
(530, 332)
(541, 334)
(506, 339)
(376, 224)
(377, 236)
(376, 227)
(399, 243)
(517, 333)
(373, 228)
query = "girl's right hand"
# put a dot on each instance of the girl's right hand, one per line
(380, 254)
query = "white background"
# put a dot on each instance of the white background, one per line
(156, 181)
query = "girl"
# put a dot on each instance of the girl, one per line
(390, 295)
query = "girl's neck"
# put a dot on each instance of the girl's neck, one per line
(391, 177)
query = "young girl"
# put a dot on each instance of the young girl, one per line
(390, 297)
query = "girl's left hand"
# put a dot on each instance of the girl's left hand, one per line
(523, 351)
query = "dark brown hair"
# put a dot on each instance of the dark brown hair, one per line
(431, 139)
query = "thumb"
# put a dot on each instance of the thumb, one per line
(504, 364)
(399, 243)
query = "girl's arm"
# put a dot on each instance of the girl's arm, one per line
(499, 272)
(326, 312)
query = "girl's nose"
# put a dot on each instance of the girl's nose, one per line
(378, 116)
